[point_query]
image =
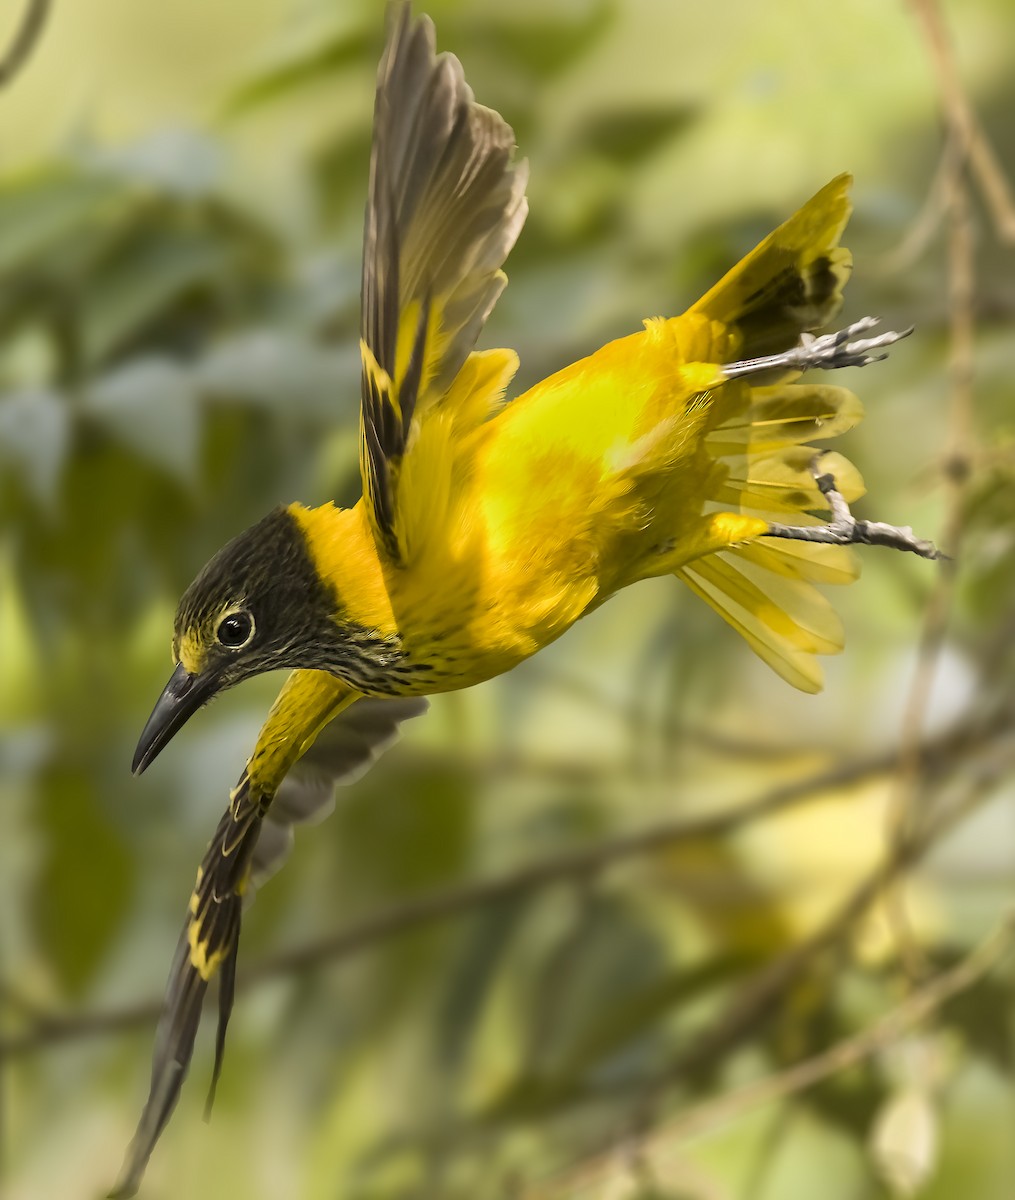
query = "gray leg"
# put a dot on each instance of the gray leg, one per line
(826, 353)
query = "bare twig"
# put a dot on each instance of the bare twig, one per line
(976, 149)
(26, 38)
(919, 1005)
(845, 530)
(962, 132)
(754, 1002)
(946, 750)
(699, 736)
(928, 221)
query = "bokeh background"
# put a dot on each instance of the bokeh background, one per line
(181, 190)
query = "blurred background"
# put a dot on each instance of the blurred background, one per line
(688, 859)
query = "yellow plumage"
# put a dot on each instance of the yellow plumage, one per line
(487, 527)
(513, 520)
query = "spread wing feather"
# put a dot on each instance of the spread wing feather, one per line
(445, 205)
(343, 752)
(251, 841)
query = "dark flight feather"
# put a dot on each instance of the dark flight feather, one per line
(251, 842)
(445, 205)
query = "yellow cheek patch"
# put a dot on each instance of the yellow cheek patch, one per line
(191, 652)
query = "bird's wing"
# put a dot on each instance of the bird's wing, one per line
(445, 205)
(344, 751)
(250, 843)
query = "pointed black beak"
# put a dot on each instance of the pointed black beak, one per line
(182, 696)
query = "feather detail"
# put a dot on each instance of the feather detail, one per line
(786, 416)
(445, 205)
(764, 589)
(791, 282)
(247, 847)
(785, 629)
(342, 753)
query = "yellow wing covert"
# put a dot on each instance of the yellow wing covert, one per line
(445, 205)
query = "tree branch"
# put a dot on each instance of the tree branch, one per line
(845, 530)
(704, 1118)
(975, 147)
(754, 1001)
(963, 133)
(943, 752)
(26, 38)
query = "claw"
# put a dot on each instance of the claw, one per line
(828, 352)
(833, 350)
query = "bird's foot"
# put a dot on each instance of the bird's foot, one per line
(827, 352)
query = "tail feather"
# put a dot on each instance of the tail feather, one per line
(784, 626)
(786, 416)
(803, 560)
(209, 943)
(774, 483)
(765, 589)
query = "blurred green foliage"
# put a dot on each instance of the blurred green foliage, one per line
(178, 314)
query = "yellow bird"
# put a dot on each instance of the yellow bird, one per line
(487, 528)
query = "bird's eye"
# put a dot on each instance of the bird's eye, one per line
(235, 630)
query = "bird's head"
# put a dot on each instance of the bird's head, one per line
(258, 605)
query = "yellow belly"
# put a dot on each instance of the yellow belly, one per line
(584, 484)
(601, 475)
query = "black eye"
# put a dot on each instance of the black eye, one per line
(235, 630)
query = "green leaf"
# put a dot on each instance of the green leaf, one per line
(635, 133)
(611, 953)
(41, 210)
(543, 41)
(318, 54)
(151, 274)
(270, 368)
(84, 887)
(175, 161)
(635, 1013)
(151, 405)
(983, 1015)
(469, 978)
(34, 436)
(629, 1026)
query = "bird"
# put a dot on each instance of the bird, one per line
(487, 527)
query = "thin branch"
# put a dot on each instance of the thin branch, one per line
(994, 184)
(26, 38)
(946, 750)
(575, 864)
(961, 452)
(915, 1009)
(922, 230)
(754, 1001)
(976, 149)
(845, 530)
(966, 145)
(698, 736)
